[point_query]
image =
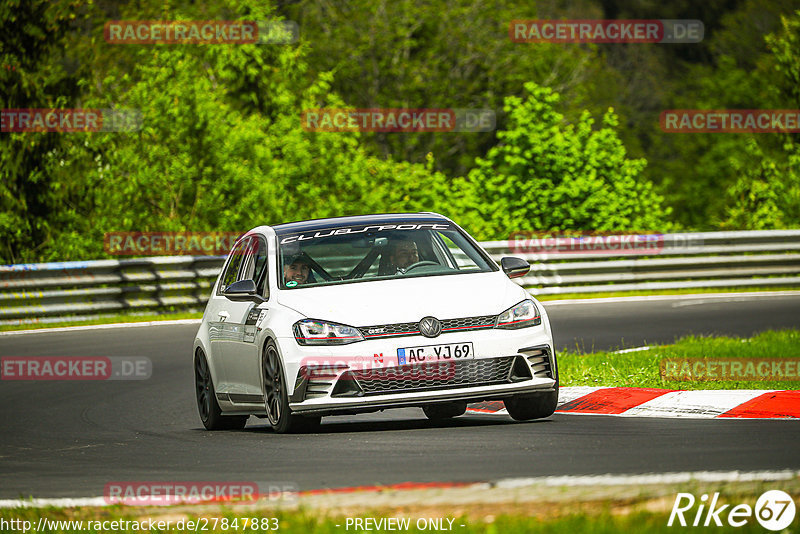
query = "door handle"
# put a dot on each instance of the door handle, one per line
(223, 315)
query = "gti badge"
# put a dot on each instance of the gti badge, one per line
(430, 327)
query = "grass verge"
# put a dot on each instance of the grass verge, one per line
(472, 510)
(643, 368)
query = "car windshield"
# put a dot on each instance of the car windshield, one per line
(378, 251)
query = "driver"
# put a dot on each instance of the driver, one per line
(403, 254)
(296, 270)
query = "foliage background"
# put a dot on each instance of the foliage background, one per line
(578, 145)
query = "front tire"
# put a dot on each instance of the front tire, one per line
(207, 405)
(532, 405)
(276, 396)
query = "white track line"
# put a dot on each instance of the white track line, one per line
(649, 478)
(170, 322)
(62, 502)
(566, 395)
(705, 404)
(635, 349)
(501, 411)
(688, 296)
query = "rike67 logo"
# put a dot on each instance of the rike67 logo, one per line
(774, 510)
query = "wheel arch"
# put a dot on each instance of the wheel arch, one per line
(271, 337)
(199, 347)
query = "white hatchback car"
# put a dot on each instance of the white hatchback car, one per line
(357, 314)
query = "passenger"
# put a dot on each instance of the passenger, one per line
(296, 269)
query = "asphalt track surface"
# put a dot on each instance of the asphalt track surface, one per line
(69, 439)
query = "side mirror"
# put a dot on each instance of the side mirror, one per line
(243, 290)
(515, 267)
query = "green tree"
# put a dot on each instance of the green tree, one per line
(767, 193)
(37, 70)
(547, 174)
(454, 54)
(694, 170)
(759, 199)
(222, 147)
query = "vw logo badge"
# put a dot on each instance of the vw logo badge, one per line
(430, 327)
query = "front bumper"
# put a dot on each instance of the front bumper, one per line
(331, 379)
(472, 394)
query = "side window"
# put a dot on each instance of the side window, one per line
(260, 264)
(456, 253)
(236, 257)
(442, 251)
(248, 270)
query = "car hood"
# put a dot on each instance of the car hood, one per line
(406, 300)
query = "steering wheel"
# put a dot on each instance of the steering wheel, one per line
(420, 264)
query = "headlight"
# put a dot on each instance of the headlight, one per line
(519, 316)
(313, 332)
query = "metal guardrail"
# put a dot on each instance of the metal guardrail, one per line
(49, 292)
(682, 261)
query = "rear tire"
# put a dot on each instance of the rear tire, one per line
(445, 410)
(276, 396)
(207, 405)
(532, 405)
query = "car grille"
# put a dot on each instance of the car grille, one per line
(412, 329)
(437, 375)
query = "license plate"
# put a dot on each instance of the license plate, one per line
(435, 353)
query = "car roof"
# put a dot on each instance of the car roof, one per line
(357, 220)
